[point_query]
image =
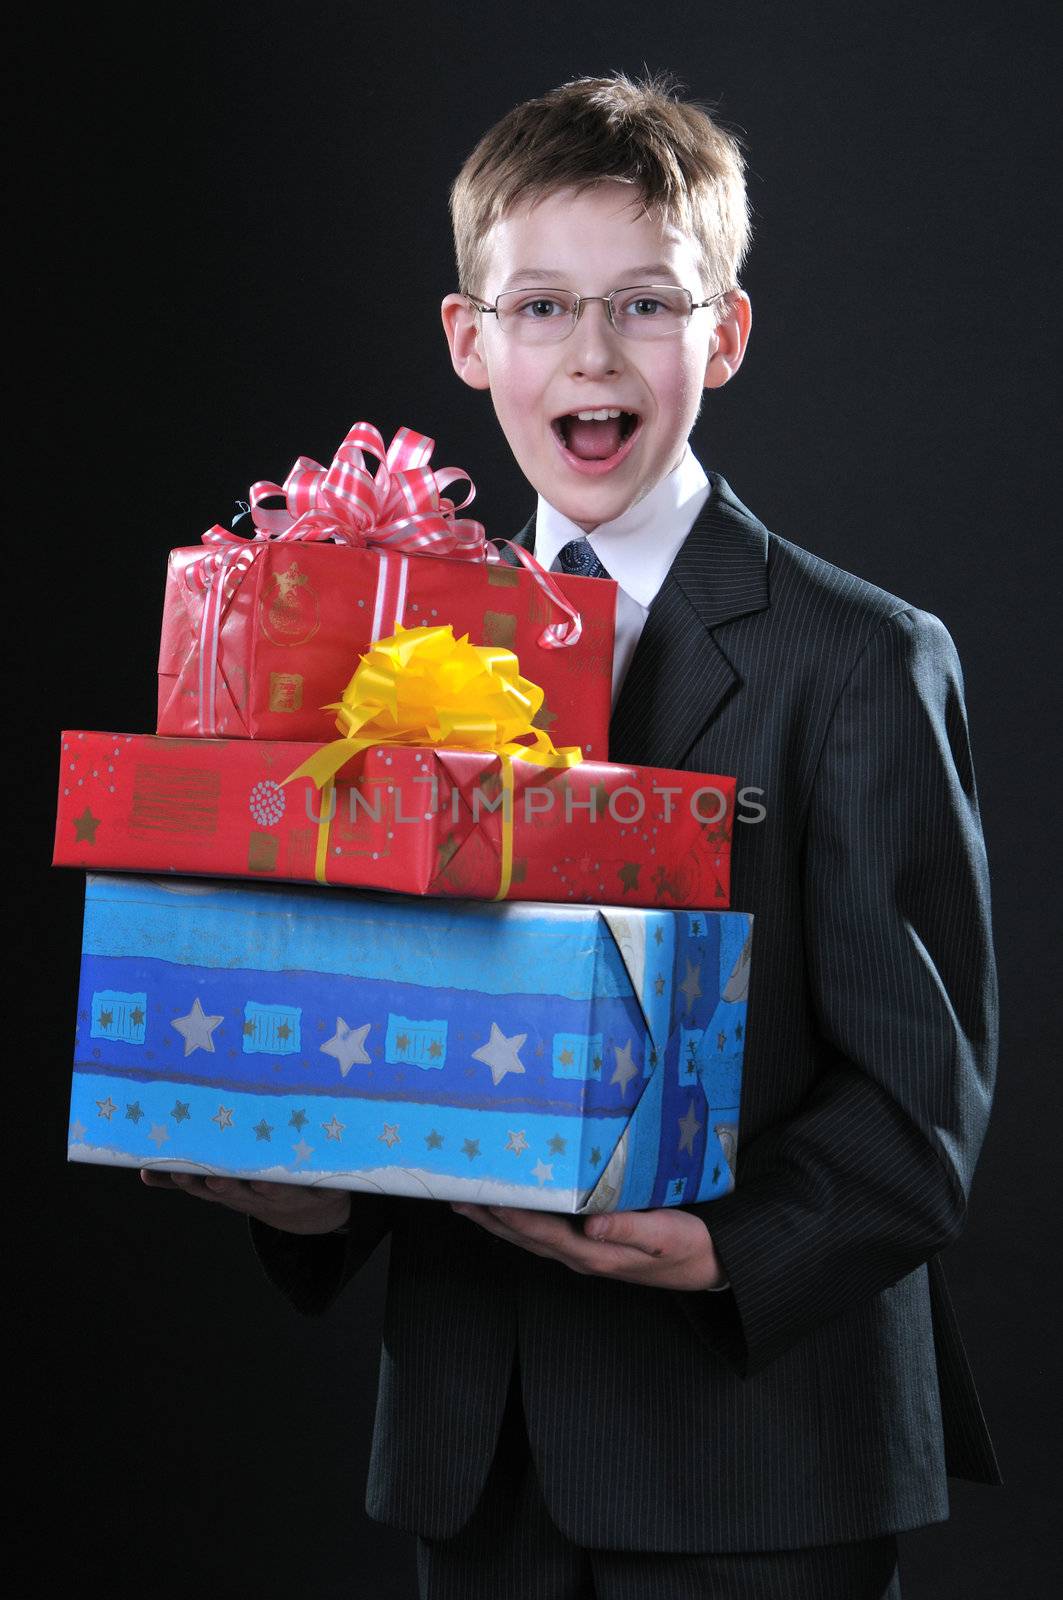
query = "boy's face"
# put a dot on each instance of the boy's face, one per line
(594, 242)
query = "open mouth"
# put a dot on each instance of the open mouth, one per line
(597, 438)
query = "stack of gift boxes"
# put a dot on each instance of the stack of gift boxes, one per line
(414, 936)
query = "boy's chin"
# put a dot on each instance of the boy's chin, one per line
(590, 510)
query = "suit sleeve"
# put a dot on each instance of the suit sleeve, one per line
(311, 1269)
(872, 1176)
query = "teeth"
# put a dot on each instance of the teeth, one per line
(597, 416)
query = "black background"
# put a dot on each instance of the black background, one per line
(233, 223)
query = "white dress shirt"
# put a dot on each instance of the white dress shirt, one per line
(637, 548)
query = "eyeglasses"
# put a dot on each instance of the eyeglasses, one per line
(546, 316)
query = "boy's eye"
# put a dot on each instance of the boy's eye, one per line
(539, 308)
(643, 305)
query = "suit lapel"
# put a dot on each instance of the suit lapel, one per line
(679, 675)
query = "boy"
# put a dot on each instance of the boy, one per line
(750, 1397)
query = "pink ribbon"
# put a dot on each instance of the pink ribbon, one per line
(402, 506)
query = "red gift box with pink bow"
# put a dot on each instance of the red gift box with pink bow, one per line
(258, 631)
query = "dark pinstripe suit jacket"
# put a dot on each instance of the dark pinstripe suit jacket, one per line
(824, 1397)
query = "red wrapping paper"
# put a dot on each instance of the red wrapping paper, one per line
(301, 613)
(414, 820)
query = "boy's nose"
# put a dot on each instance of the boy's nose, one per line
(593, 347)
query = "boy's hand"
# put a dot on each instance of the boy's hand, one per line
(294, 1208)
(664, 1249)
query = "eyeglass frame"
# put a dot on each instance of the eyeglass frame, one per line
(601, 299)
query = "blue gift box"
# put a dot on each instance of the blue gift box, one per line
(566, 1058)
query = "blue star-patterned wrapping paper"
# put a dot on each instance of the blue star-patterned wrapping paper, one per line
(565, 1058)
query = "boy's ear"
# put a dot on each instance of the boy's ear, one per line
(730, 339)
(461, 323)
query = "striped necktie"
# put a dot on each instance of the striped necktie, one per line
(579, 559)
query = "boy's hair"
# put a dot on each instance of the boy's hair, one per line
(680, 162)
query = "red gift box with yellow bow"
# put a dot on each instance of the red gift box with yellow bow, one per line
(440, 784)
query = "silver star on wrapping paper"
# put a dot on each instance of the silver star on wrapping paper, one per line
(107, 1108)
(502, 1055)
(78, 1131)
(390, 1134)
(303, 1151)
(334, 1128)
(347, 1045)
(159, 1133)
(516, 1141)
(543, 1172)
(223, 1116)
(196, 1028)
(625, 1068)
(690, 1127)
(691, 985)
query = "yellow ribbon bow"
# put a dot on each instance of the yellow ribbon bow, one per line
(422, 686)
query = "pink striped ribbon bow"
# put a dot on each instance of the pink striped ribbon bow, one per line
(401, 506)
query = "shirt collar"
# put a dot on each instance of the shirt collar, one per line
(638, 547)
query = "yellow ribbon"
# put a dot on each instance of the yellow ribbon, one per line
(422, 686)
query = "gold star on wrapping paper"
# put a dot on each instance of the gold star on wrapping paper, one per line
(596, 1156)
(471, 1148)
(544, 718)
(288, 582)
(629, 875)
(691, 984)
(297, 1120)
(658, 984)
(658, 934)
(283, 1031)
(689, 1127)
(501, 1054)
(402, 1041)
(347, 1045)
(434, 1140)
(85, 827)
(565, 1057)
(625, 1068)
(435, 1049)
(556, 1145)
(136, 1017)
(196, 1028)
(106, 1019)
